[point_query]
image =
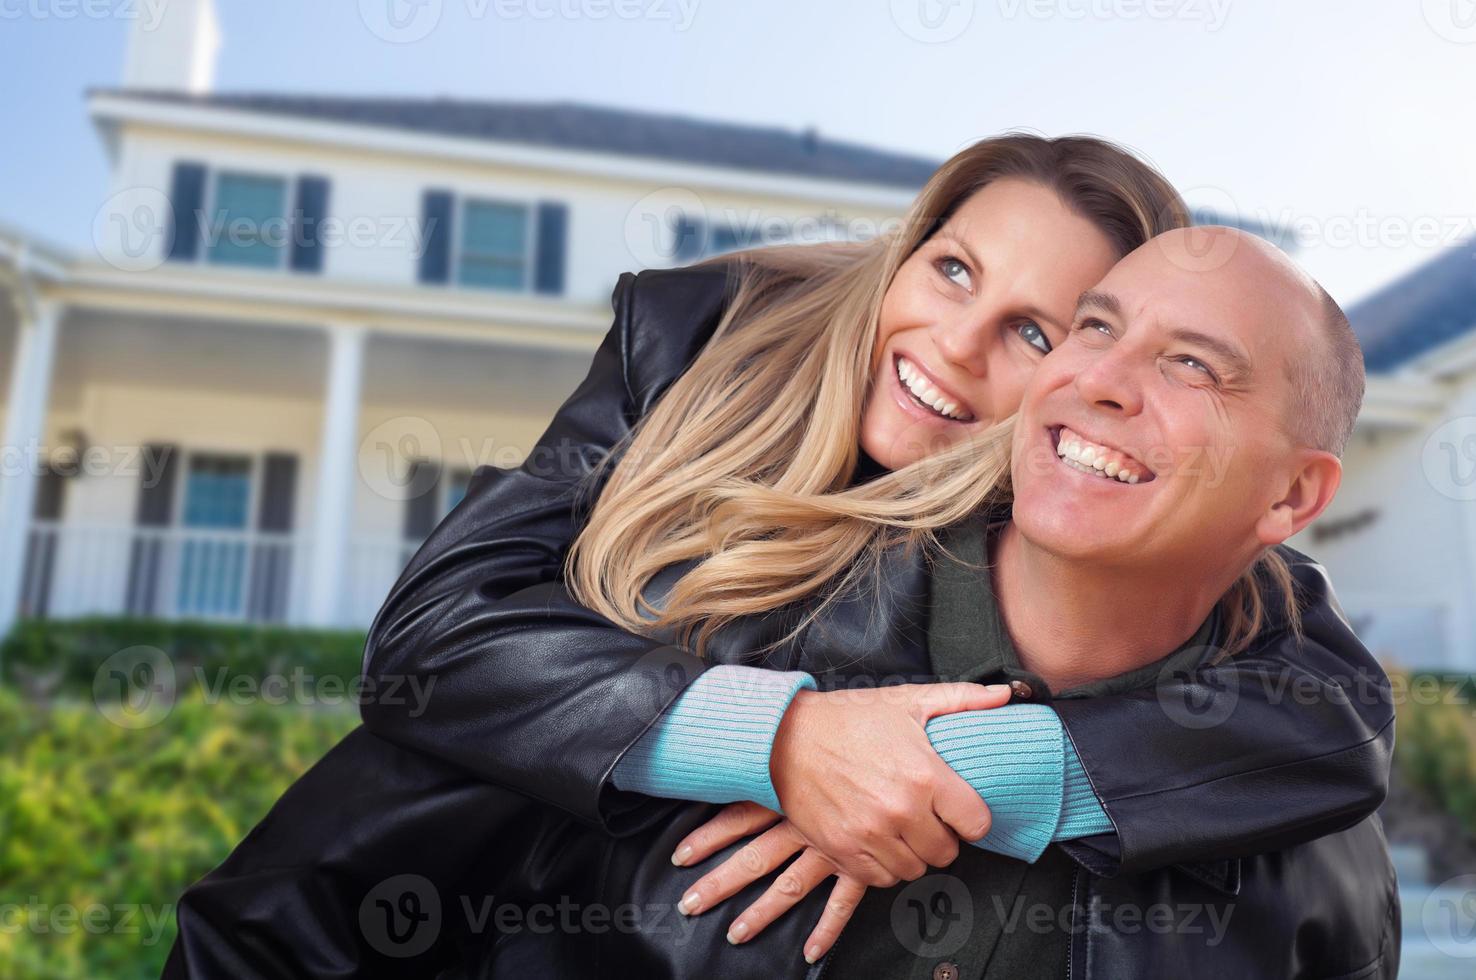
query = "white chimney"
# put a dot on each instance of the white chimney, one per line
(172, 46)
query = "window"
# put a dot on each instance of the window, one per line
(213, 514)
(454, 487)
(247, 224)
(494, 245)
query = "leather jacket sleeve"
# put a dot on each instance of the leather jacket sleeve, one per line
(529, 689)
(1282, 744)
(537, 693)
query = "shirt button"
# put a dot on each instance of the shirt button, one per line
(945, 971)
(1022, 690)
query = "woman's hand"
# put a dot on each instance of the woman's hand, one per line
(756, 859)
(855, 772)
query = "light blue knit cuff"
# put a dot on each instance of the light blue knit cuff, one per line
(1081, 812)
(1012, 757)
(713, 742)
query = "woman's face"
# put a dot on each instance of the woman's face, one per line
(971, 313)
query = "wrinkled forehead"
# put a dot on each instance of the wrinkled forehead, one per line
(1241, 298)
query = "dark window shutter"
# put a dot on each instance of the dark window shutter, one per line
(160, 473)
(186, 200)
(271, 563)
(422, 501)
(435, 236)
(553, 225)
(311, 208)
(686, 238)
(40, 561)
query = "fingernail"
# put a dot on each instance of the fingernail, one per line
(736, 934)
(689, 903)
(681, 855)
(812, 954)
(997, 688)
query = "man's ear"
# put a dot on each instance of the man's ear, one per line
(1311, 489)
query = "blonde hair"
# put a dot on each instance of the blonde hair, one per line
(743, 467)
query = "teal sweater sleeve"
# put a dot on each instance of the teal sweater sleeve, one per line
(713, 742)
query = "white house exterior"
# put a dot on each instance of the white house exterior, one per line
(1400, 538)
(306, 320)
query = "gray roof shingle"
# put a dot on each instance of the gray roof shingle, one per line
(572, 126)
(1423, 309)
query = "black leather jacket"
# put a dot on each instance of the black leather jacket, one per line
(534, 693)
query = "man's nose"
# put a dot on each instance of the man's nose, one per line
(1111, 382)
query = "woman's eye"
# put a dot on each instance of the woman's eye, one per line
(1035, 336)
(952, 269)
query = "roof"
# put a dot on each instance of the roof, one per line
(574, 126)
(1430, 306)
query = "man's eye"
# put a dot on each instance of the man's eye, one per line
(1090, 323)
(1035, 336)
(1199, 366)
(952, 269)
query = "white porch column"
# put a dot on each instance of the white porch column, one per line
(337, 465)
(25, 427)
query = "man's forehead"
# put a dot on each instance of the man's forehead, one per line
(1207, 322)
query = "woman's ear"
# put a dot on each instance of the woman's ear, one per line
(1311, 489)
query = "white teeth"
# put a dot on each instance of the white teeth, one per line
(1092, 459)
(924, 391)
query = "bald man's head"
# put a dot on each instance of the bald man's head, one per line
(1324, 369)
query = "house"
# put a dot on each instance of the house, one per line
(306, 320)
(1399, 540)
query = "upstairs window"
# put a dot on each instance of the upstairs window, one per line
(247, 222)
(494, 245)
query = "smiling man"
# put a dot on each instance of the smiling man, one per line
(1191, 422)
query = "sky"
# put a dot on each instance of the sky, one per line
(1348, 121)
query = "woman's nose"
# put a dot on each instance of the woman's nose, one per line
(967, 340)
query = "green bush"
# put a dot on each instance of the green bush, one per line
(66, 654)
(103, 826)
(1435, 741)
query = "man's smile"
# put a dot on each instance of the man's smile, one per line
(1096, 458)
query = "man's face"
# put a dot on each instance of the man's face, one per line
(1173, 379)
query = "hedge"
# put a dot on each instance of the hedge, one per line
(45, 655)
(103, 826)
